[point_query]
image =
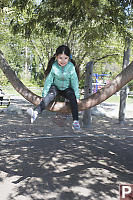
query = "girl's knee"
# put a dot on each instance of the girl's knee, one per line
(72, 97)
(70, 92)
(53, 90)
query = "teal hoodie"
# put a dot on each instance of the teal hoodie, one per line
(62, 78)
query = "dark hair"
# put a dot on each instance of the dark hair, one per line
(60, 50)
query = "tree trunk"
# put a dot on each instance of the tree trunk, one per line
(123, 93)
(108, 90)
(26, 74)
(87, 92)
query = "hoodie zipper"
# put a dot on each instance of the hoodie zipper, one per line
(62, 77)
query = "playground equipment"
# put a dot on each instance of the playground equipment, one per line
(96, 75)
(4, 99)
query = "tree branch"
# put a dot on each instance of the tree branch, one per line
(114, 54)
(96, 60)
(69, 33)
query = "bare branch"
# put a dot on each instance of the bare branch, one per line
(114, 54)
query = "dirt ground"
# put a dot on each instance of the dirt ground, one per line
(48, 161)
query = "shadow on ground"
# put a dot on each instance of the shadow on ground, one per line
(89, 167)
(67, 169)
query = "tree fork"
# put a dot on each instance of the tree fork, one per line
(101, 95)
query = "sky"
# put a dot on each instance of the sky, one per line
(38, 1)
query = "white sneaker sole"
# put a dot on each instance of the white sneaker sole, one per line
(30, 112)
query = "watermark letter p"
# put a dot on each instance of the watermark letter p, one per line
(125, 190)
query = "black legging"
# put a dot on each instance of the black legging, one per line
(67, 93)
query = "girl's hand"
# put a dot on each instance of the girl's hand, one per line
(78, 100)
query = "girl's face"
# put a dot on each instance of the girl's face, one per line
(62, 59)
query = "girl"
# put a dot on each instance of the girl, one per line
(61, 80)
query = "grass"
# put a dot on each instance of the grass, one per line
(9, 90)
(116, 99)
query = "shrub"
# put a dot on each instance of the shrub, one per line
(3, 80)
(130, 85)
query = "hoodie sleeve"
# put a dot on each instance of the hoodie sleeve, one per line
(48, 82)
(75, 83)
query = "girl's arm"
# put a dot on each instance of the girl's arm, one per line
(48, 83)
(75, 83)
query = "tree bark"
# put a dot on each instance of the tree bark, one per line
(87, 92)
(123, 93)
(108, 90)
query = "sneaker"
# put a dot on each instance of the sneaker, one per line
(76, 125)
(33, 114)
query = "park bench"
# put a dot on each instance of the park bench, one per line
(4, 99)
(130, 94)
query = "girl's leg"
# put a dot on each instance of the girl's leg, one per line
(70, 95)
(53, 92)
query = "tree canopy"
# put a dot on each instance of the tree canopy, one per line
(96, 19)
(93, 29)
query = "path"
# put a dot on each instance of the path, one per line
(89, 167)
